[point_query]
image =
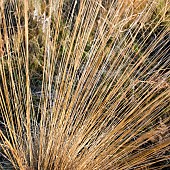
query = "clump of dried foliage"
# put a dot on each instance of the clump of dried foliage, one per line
(84, 84)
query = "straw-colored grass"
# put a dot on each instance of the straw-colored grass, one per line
(84, 85)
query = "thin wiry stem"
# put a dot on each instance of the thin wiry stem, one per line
(84, 84)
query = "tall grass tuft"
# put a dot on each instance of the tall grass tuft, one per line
(84, 84)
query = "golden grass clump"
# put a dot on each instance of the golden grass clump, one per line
(84, 85)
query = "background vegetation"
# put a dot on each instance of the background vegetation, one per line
(84, 84)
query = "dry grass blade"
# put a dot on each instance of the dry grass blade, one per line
(84, 85)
